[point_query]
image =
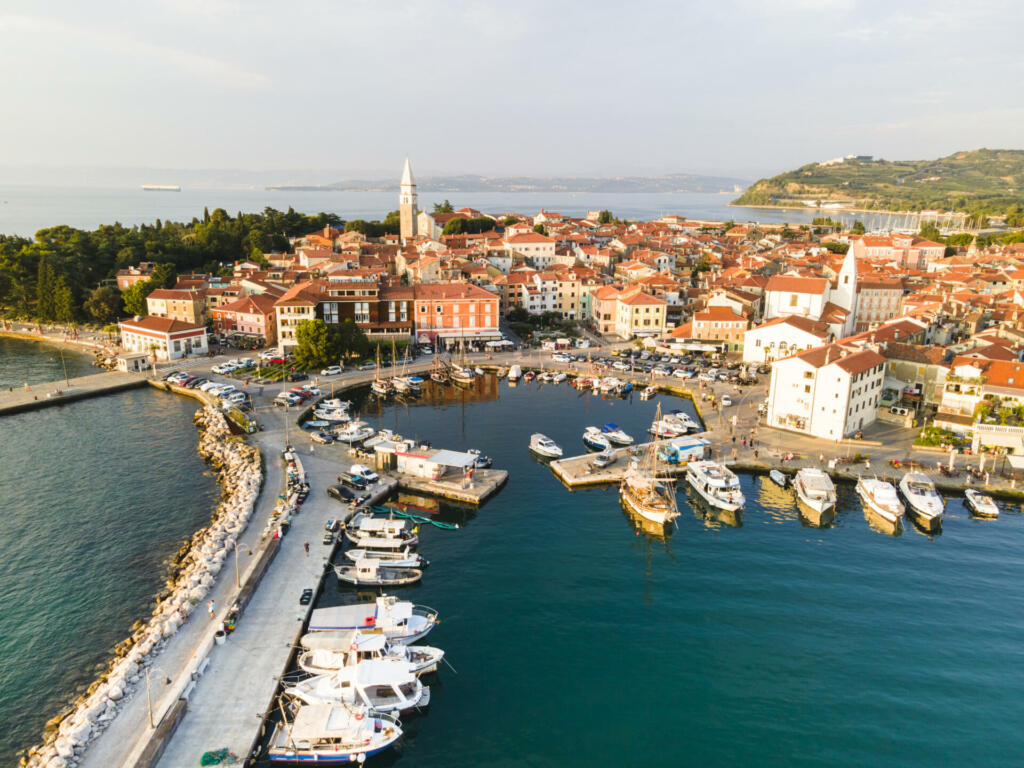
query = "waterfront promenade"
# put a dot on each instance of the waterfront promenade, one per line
(34, 396)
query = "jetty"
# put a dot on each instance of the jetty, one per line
(36, 396)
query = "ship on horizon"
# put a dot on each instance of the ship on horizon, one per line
(161, 188)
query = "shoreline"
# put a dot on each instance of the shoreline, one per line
(841, 209)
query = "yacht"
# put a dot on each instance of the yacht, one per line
(326, 652)
(881, 502)
(515, 373)
(332, 733)
(980, 504)
(643, 494)
(616, 435)
(684, 420)
(594, 439)
(716, 484)
(666, 428)
(355, 432)
(383, 685)
(371, 572)
(393, 558)
(924, 505)
(395, 619)
(544, 446)
(816, 492)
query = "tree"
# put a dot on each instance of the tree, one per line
(64, 307)
(540, 229)
(103, 304)
(45, 285)
(135, 297)
(456, 226)
(858, 227)
(835, 247)
(317, 346)
(605, 217)
(931, 232)
(509, 221)
(164, 276)
(352, 342)
(445, 207)
(518, 315)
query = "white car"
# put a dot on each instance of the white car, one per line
(314, 391)
(682, 373)
(364, 472)
(206, 387)
(287, 398)
(222, 390)
(223, 368)
(177, 377)
(659, 371)
(726, 400)
(235, 397)
(332, 370)
(246, 362)
(618, 365)
(266, 354)
(558, 357)
(705, 376)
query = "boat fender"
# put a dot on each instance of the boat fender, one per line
(359, 715)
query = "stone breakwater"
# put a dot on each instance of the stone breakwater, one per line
(69, 735)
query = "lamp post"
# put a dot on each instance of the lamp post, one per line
(149, 694)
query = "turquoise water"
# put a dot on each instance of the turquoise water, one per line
(24, 361)
(580, 641)
(96, 497)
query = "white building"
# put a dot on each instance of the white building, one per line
(782, 337)
(816, 298)
(828, 392)
(537, 249)
(164, 338)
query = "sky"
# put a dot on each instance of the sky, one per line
(744, 88)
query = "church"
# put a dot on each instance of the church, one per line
(816, 298)
(407, 204)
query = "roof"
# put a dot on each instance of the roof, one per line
(162, 325)
(255, 304)
(434, 291)
(180, 294)
(529, 237)
(805, 324)
(792, 284)
(720, 314)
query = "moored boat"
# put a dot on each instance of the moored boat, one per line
(382, 685)
(515, 373)
(815, 495)
(683, 420)
(881, 503)
(371, 572)
(648, 392)
(393, 558)
(666, 428)
(778, 477)
(332, 733)
(387, 615)
(716, 484)
(643, 494)
(594, 439)
(544, 446)
(354, 432)
(980, 504)
(616, 435)
(924, 505)
(326, 652)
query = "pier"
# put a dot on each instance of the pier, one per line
(36, 396)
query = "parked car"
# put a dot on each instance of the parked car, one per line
(659, 371)
(352, 481)
(322, 437)
(306, 597)
(363, 471)
(726, 400)
(167, 376)
(367, 366)
(312, 391)
(705, 376)
(558, 357)
(198, 381)
(286, 399)
(332, 370)
(343, 494)
(296, 376)
(235, 398)
(682, 373)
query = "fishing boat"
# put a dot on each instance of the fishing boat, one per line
(596, 440)
(331, 415)
(881, 503)
(342, 405)
(716, 484)
(648, 392)
(364, 524)
(397, 558)
(377, 543)
(616, 435)
(370, 572)
(980, 504)
(354, 432)
(383, 685)
(924, 505)
(326, 652)
(815, 495)
(332, 733)
(479, 460)
(778, 477)
(643, 494)
(515, 373)
(387, 615)
(544, 446)
(439, 377)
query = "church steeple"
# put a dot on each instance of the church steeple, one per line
(845, 294)
(407, 200)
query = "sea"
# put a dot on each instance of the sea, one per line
(97, 496)
(24, 210)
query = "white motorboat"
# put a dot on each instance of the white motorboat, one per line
(395, 619)
(716, 484)
(371, 572)
(479, 460)
(354, 432)
(415, 383)
(515, 373)
(365, 524)
(648, 392)
(924, 505)
(596, 440)
(559, 377)
(881, 502)
(683, 420)
(980, 504)
(334, 402)
(393, 558)
(383, 685)
(378, 543)
(544, 446)
(616, 435)
(643, 494)
(332, 733)
(816, 492)
(332, 415)
(778, 477)
(478, 371)
(327, 652)
(401, 384)
(666, 428)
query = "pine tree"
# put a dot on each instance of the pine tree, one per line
(63, 301)
(44, 291)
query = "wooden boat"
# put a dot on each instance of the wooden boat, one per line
(369, 572)
(332, 733)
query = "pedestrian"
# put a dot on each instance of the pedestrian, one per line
(305, 546)
(312, 448)
(821, 458)
(212, 606)
(867, 463)
(744, 443)
(755, 454)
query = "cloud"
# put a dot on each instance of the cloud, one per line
(209, 68)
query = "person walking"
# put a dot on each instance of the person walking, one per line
(212, 606)
(306, 547)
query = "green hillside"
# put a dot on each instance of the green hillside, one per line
(982, 181)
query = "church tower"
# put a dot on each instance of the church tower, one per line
(845, 293)
(407, 203)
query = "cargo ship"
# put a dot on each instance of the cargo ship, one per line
(161, 188)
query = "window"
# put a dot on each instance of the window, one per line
(391, 311)
(331, 312)
(792, 300)
(362, 312)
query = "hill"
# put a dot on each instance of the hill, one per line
(982, 181)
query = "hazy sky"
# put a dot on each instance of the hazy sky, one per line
(739, 87)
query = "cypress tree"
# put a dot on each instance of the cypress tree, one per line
(44, 291)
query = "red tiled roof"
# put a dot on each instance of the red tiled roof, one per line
(792, 284)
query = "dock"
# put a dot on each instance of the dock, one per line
(484, 484)
(577, 472)
(36, 396)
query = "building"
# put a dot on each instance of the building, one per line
(816, 298)
(879, 299)
(126, 278)
(164, 338)
(828, 392)
(252, 315)
(782, 337)
(904, 251)
(720, 324)
(186, 305)
(449, 313)
(537, 249)
(639, 314)
(407, 204)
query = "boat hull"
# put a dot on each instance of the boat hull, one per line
(880, 516)
(924, 519)
(656, 516)
(710, 498)
(981, 508)
(323, 757)
(817, 513)
(388, 577)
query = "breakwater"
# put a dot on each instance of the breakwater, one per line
(68, 736)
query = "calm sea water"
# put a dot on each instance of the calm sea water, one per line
(755, 641)
(25, 210)
(32, 362)
(96, 497)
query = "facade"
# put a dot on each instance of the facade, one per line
(251, 316)
(189, 306)
(639, 314)
(904, 251)
(782, 337)
(878, 301)
(126, 278)
(164, 338)
(537, 249)
(720, 324)
(407, 204)
(448, 313)
(816, 298)
(828, 392)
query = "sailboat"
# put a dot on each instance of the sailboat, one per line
(380, 386)
(404, 383)
(438, 374)
(643, 494)
(461, 373)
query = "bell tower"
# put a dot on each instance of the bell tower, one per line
(407, 203)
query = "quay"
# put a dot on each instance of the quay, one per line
(36, 396)
(577, 472)
(484, 484)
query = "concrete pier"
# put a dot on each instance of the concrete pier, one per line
(38, 396)
(485, 483)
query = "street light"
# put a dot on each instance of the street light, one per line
(149, 695)
(238, 584)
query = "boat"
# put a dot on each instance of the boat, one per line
(716, 484)
(334, 402)
(161, 188)
(643, 494)
(683, 420)
(616, 435)
(354, 432)
(648, 392)
(387, 615)
(462, 375)
(924, 505)
(502, 372)
(559, 377)
(515, 373)
(881, 502)
(317, 424)
(779, 477)
(479, 460)
(378, 543)
(332, 733)
(980, 504)
(478, 371)
(364, 524)
(382, 685)
(326, 652)
(415, 383)
(815, 494)
(544, 446)
(381, 387)
(331, 415)
(529, 376)
(596, 440)
(396, 558)
(665, 428)
(439, 377)
(401, 384)
(371, 572)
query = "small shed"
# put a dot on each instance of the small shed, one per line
(133, 362)
(433, 465)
